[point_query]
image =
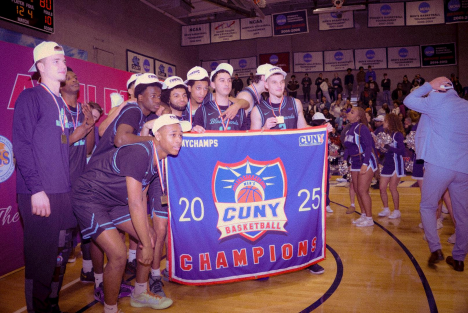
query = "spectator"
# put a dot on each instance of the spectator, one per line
(336, 106)
(237, 85)
(361, 80)
(318, 82)
(385, 84)
(349, 82)
(337, 86)
(396, 107)
(398, 93)
(405, 86)
(384, 110)
(370, 73)
(325, 91)
(419, 80)
(293, 86)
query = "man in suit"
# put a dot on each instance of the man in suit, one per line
(442, 142)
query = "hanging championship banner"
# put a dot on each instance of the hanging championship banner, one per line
(290, 23)
(249, 208)
(256, 27)
(456, 11)
(276, 59)
(139, 63)
(386, 14)
(210, 66)
(308, 62)
(244, 66)
(164, 70)
(377, 58)
(336, 20)
(425, 13)
(338, 60)
(438, 55)
(403, 57)
(196, 34)
(225, 31)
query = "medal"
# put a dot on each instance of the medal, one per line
(164, 199)
(161, 172)
(63, 138)
(280, 119)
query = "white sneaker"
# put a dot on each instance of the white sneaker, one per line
(360, 219)
(439, 223)
(341, 180)
(444, 209)
(385, 212)
(149, 300)
(368, 221)
(329, 209)
(395, 214)
(452, 239)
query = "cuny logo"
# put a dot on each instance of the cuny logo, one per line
(274, 59)
(339, 56)
(214, 65)
(370, 54)
(429, 51)
(250, 197)
(385, 9)
(424, 7)
(403, 52)
(307, 57)
(146, 65)
(311, 140)
(170, 71)
(454, 5)
(242, 63)
(281, 19)
(6, 159)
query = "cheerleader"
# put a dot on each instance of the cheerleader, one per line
(360, 149)
(393, 166)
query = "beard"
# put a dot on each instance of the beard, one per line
(177, 107)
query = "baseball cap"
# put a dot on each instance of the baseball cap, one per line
(147, 78)
(169, 119)
(263, 69)
(133, 78)
(45, 49)
(196, 73)
(319, 116)
(173, 81)
(274, 70)
(222, 66)
(379, 118)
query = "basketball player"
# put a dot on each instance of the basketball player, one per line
(111, 195)
(41, 147)
(279, 111)
(174, 94)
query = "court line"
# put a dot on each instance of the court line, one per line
(427, 288)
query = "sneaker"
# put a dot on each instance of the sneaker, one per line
(395, 214)
(87, 277)
(130, 268)
(316, 269)
(351, 209)
(125, 290)
(165, 274)
(439, 223)
(384, 212)
(99, 293)
(444, 209)
(329, 209)
(149, 300)
(452, 239)
(366, 223)
(155, 285)
(362, 218)
(341, 180)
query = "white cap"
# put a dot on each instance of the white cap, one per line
(319, 116)
(45, 49)
(133, 78)
(116, 99)
(197, 73)
(173, 81)
(169, 119)
(222, 66)
(147, 78)
(274, 70)
(263, 69)
(379, 118)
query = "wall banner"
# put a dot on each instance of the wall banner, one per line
(164, 70)
(403, 57)
(308, 62)
(249, 210)
(244, 66)
(456, 11)
(256, 27)
(276, 59)
(425, 13)
(438, 55)
(386, 14)
(338, 60)
(290, 23)
(225, 31)
(336, 20)
(210, 66)
(377, 58)
(196, 34)
(139, 63)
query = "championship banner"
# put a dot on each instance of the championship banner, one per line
(305, 62)
(290, 23)
(438, 55)
(456, 11)
(377, 58)
(336, 20)
(386, 14)
(244, 66)
(403, 57)
(425, 13)
(210, 66)
(256, 27)
(276, 59)
(244, 206)
(139, 63)
(225, 31)
(338, 60)
(196, 34)
(164, 70)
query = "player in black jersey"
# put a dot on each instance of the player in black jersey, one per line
(174, 94)
(278, 111)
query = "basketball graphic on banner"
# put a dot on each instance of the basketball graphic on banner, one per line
(249, 193)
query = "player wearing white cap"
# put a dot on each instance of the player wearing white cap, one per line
(175, 95)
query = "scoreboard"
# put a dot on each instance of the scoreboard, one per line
(37, 14)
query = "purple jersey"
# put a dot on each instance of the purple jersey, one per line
(288, 110)
(78, 151)
(207, 116)
(359, 143)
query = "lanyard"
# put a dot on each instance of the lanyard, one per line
(189, 108)
(256, 93)
(71, 113)
(225, 126)
(279, 109)
(62, 122)
(161, 168)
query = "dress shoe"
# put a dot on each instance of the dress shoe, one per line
(435, 257)
(459, 266)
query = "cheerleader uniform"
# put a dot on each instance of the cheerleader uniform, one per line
(418, 164)
(393, 162)
(359, 147)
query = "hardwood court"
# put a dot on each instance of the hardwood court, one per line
(373, 269)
